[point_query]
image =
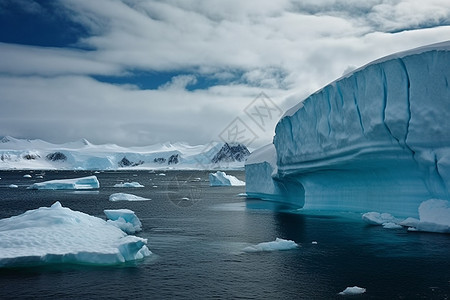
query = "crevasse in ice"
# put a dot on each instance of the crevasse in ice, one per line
(377, 139)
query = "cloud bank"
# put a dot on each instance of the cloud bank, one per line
(220, 56)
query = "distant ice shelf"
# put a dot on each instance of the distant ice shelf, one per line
(83, 155)
(376, 139)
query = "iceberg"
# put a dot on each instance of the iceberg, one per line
(277, 245)
(126, 197)
(222, 179)
(374, 140)
(124, 219)
(354, 290)
(57, 234)
(83, 183)
(128, 185)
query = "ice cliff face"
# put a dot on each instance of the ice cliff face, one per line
(378, 138)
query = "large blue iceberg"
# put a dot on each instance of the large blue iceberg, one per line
(377, 139)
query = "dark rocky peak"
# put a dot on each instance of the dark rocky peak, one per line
(231, 152)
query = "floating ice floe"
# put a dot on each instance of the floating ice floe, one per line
(133, 184)
(277, 245)
(355, 290)
(13, 186)
(434, 216)
(27, 176)
(221, 179)
(124, 219)
(83, 183)
(126, 197)
(57, 234)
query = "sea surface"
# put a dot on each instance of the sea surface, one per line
(197, 234)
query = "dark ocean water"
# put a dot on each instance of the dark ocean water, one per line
(197, 247)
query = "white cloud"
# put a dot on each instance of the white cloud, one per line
(286, 48)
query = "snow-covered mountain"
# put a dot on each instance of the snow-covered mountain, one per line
(83, 155)
(376, 139)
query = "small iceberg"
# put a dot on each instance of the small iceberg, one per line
(355, 290)
(27, 176)
(57, 234)
(83, 183)
(133, 184)
(13, 186)
(124, 219)
(221, 179)
(277, 245)
(434, 216)
(126, 197)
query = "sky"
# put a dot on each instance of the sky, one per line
(141, 72)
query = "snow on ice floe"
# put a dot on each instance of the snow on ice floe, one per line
(277, 245)
(57, 234)
(133, 184)
(434, 216)
(222, 179)
(124, 219)
(83, 183)
(354, 290)
(126, 197)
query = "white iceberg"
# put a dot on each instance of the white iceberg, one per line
(434, 216)
(221, 179)
(27, 176)
(56, 234)
(13, 186)
(133, 184)
(83, 183)
(277, 245)
(376, 139)
(355, 290)
(124, 219)
(126, 197)
(388, 221)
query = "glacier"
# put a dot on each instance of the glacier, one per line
(82, 155)
(376, 139)
(57, 234)
(83, 183)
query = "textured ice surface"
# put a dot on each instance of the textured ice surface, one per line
(222, 179)
(83, 183)
(277, 245)
(57, 234)
(133, 184)
(124, 219)
(126, 197)
(354, 290)
(434, 216)
(374, 140)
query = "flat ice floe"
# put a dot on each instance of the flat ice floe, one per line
(56, 234)
(277, 245)
(354, 290)
(133, 184)
(126, 197)
(222, 179)
(83, 183)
